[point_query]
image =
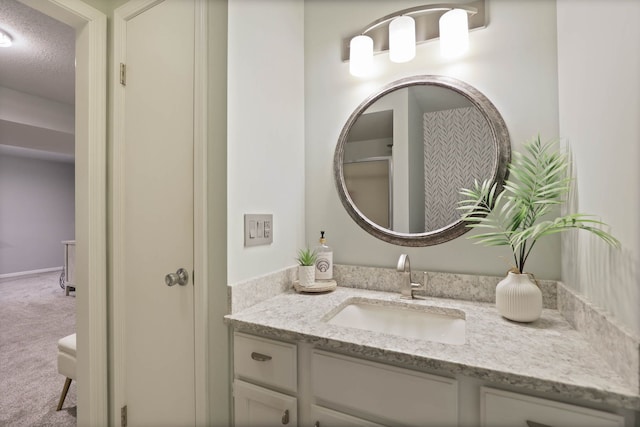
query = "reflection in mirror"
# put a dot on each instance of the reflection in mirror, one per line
(405, 153)
(370, 184)
(368, 166)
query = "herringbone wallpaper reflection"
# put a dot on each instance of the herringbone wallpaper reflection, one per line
(458, 148)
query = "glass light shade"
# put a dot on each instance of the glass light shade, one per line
(361, 56)
(454, 33)
(5, 39)
(402, 39)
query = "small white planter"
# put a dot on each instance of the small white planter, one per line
(306, 275)
(518, 298)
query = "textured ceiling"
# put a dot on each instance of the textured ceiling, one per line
(41, 60)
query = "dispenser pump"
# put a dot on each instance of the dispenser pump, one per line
(324, 260)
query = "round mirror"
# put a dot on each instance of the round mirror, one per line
(407, 150)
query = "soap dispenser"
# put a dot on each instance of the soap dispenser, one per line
(324, 260)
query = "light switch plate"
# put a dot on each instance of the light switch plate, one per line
(258, 229)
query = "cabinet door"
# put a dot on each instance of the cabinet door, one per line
(401, 396)
(500, 408)
(256, 406)
(323, 417)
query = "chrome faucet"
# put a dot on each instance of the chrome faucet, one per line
(407, 287)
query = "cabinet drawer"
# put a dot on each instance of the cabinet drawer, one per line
(265, 361)
(399, 396)
(505, 409)
(323, 417)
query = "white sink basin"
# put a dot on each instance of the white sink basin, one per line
(418, 322)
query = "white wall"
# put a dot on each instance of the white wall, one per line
(34, 123)
(265, 131)
(31, 110)
(20, 107)
(513, 62)
(599, 98)
(36, 213)
(415, 137)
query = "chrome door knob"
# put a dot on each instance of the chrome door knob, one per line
(180, 277)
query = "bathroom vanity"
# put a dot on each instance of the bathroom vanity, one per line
(294, 366)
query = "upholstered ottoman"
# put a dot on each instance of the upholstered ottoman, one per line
(66, 363)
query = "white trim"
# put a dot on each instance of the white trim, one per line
(92, 375)
(120, 18)
(118, 318)
(30, 272)
(75, 13)
(200, 230)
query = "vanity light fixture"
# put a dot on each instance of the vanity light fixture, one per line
(402, 39)
(361, 60)
(454, 33)
(399, 33)
(5, 39)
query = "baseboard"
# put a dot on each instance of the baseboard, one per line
(29, 273)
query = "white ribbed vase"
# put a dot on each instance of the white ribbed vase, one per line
(518, 298)
(306, 275)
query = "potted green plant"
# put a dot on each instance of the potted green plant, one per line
(306, 266)
(520, 215)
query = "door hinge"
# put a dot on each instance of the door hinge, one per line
(123, 416)
(123, 74)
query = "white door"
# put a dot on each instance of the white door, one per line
(158, 215)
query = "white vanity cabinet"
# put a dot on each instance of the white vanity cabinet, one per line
(265, 382)
(500, 408)
(278, 383)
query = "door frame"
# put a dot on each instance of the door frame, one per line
(118, 182)
(91, 208)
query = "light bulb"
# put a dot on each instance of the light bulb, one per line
(454, 33)
(361, 56)
(402, 39)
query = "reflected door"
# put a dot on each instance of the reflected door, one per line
(369, 183)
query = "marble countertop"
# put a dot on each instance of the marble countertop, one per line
(547, 355)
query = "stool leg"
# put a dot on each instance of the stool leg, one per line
(65, 389)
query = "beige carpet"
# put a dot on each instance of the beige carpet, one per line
(34, 315)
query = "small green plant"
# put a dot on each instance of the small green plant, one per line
(306, 257)
(537, 184)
